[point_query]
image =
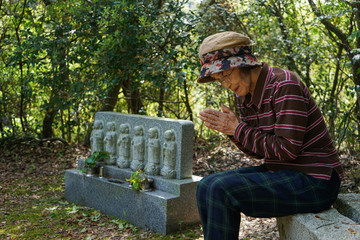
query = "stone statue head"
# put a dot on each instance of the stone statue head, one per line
(169, 135)
(138, 131)
(124, 128)
(110, 126)
(153, 133)
(98, 124)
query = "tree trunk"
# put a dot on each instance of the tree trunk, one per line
(187, 104)
(133, 96)
(60, 87)
(161, 99)
(112, 97)
(2, 115)
(48, 120)
(333, 96)
(108, 105)
(47, 124)
(22, 115)
(135, 101)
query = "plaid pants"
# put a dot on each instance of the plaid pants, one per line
(257, 192)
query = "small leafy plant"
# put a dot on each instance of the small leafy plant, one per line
(96, 157)
(138, 181)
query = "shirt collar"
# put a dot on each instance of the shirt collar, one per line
(258, 94)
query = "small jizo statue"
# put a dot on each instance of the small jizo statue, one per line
(124, 141)
(169, 155)
(138, 149)
(153, 165)
(97, 137)
(110, 143)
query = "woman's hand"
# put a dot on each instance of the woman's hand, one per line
(225, 121)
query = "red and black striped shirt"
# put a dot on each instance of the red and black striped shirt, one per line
(282, 123)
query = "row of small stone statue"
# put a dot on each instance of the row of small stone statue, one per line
(102, 140)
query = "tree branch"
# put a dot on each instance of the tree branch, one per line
(329, 26)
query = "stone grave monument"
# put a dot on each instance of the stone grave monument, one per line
(163, 149)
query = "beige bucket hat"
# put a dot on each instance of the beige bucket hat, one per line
(222, 51)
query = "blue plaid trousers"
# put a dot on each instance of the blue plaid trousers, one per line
(257, 192)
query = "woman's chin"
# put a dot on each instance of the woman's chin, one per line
(236, 91)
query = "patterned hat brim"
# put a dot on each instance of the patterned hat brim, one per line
(224, 64)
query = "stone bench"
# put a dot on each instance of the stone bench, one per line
(340, 222)
(168, 154)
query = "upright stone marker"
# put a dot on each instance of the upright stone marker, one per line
(165, 148)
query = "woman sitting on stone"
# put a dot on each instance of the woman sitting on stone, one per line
(280, 123)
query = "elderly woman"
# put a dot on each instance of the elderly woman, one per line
(280, 123)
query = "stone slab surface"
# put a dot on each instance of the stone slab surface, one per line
(184, 133)
(331, 224)
(172, 186)
(349, 205)
(327, 225)
(157, 210)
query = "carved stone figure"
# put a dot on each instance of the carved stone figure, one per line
(110, 143)
(138, 149)
(97, 137)
(169, 155)
(153, 165)
(124, 141)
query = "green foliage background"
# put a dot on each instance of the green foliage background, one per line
(62, 61)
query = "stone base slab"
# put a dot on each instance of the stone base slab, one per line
(170, 206)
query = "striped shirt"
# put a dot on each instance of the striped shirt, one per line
(282, 124)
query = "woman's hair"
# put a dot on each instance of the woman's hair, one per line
(248, 69)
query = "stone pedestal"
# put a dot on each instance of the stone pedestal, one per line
(170, 206)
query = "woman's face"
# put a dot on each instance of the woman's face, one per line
(234, 79)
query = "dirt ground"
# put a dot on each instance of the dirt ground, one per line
(23, 166)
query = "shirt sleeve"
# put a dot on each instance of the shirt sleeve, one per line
(244, 150)
(286, 140)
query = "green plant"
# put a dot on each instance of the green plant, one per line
(137, 180)
(96, 157)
